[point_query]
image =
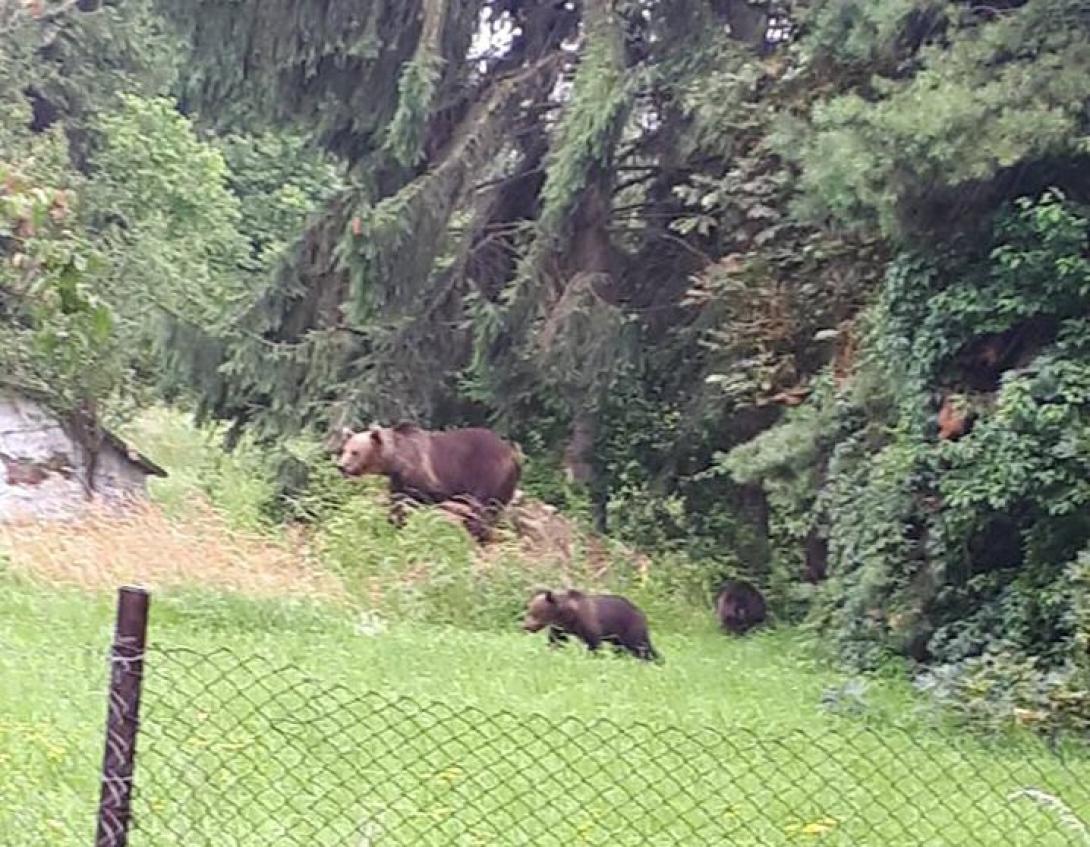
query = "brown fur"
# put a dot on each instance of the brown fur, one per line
(592, 618)
(472, 470)
(954, 420)
(739, 607)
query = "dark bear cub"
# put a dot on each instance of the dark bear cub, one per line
(739, 606)
(592, 618)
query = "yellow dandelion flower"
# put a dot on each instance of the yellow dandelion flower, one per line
(450, 774)
(818, 827)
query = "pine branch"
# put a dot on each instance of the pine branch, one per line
(500, 180)
(636, 180)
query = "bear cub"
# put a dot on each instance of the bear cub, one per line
(592, 618)
(739, 606)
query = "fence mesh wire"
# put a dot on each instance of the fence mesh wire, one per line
(51, 755)
(236, 751)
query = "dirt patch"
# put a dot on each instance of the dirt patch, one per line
(542, 531)
(554, 546)
(143, 545)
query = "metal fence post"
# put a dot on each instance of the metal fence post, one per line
(122, 716)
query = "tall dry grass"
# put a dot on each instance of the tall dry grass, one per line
(143, 545)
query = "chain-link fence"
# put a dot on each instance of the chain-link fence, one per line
(235, 750)
(51, 749)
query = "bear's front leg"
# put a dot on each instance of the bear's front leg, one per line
(557, 637)
(399, 510)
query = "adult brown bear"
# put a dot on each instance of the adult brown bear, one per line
(739, 606)
(473, 468)
(593, 618)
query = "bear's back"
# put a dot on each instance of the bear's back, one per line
(473, 461)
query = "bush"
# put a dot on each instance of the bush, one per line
(1004, 689)
(954, 552)
(238, 484)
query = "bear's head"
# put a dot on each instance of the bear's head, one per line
(542, 610)
(364, 452)
(548, 608)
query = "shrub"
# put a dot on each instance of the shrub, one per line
(955, 552)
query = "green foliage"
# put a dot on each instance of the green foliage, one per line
(955, 549)
(632, 216)
(58, 330)
(579, 345)
(795, 443)
(15, 110)
(633, 453)
(588, 133)
(75, 64)
(339, 83)
(417, 88)
(1030, 452)
(239, 484)
(988, 96)
(117, 213)
(693, 523)
(162, 205)
(152, 165)
(871, 35)
(94, 262)
(1006, 687)
(416, 93)
(1037, 269)
(425, 571)
(279, 182)
(543, 479)
(787, 462)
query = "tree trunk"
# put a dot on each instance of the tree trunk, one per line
(580, 465)
(579, 453)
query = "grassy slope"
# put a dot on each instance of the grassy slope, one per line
(332, 763)
(424, 734)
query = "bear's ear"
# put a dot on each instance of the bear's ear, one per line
(549, 598)
(376, 436)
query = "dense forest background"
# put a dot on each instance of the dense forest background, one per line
(796, 290)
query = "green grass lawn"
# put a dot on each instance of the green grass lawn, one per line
(434, 735)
